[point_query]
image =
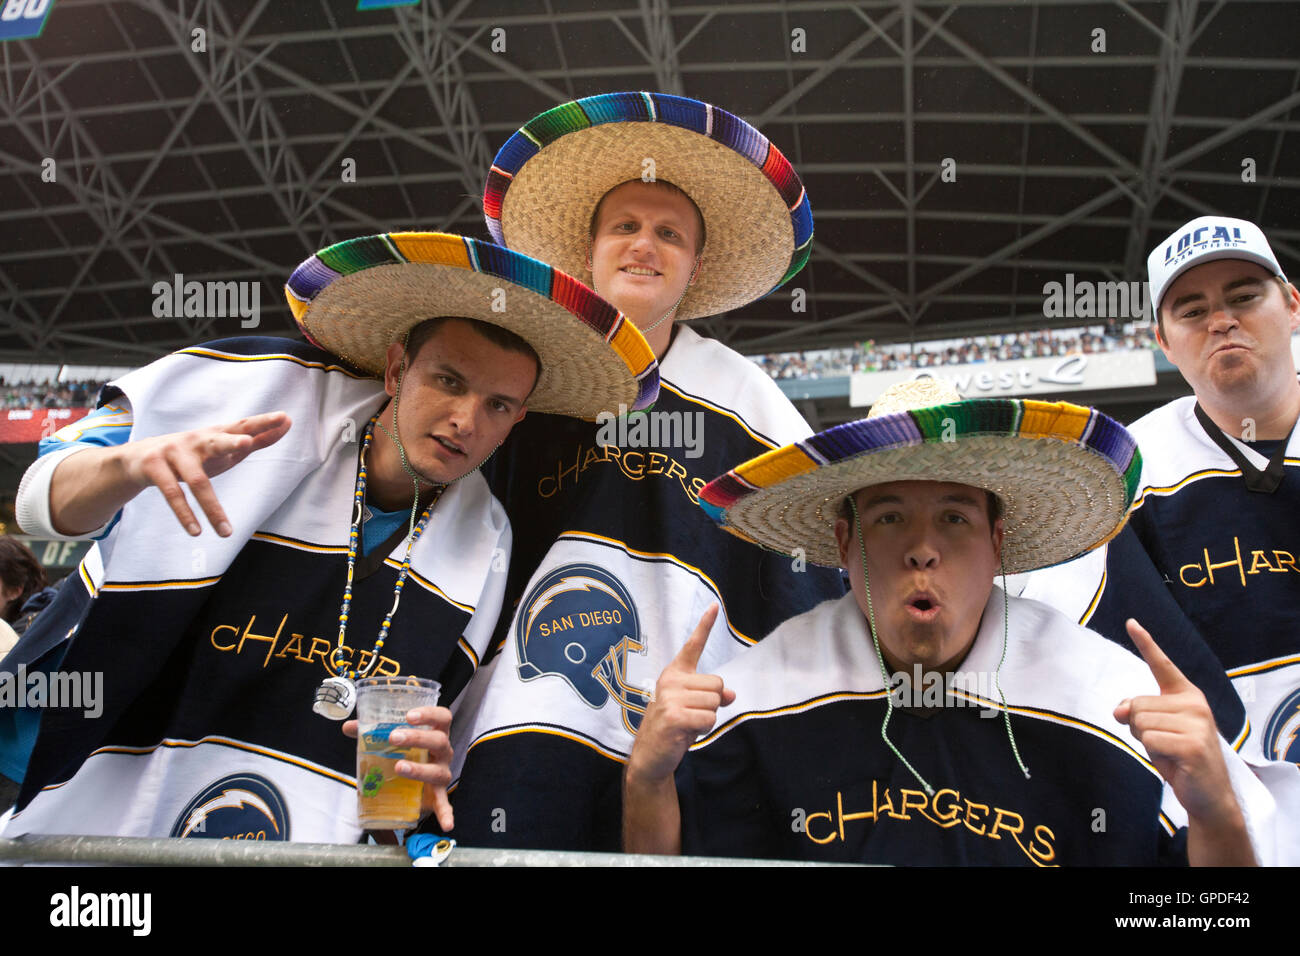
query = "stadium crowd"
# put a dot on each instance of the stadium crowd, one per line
(49, 394)
(870, 357)
(822, 363)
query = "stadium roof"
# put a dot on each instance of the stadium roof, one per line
(1076, 136)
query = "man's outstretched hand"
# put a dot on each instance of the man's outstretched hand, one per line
(88, 488)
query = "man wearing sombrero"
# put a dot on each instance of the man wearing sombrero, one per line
(927, 718)
(672, 209)
(353, 536)
(1215, 525)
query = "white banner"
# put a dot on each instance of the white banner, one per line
(1032, 376)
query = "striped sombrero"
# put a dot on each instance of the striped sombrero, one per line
(354, 298)
(1066, 474)
(547, 179)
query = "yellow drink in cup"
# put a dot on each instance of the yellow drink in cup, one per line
(386, 801)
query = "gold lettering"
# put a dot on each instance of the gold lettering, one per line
(850, 817)
(1256, 559)
(967, 819)
(575, 470)
(807, 827)
(633, 464)
(1289, 560)
(1048, 853)
(1210, 568)
(944, 809)
(947, 817)
(213, 636)
(294, 646)
(911, 805)
(1182, 576)
(324, 648)
(676, 470)
(888, 806)
(998, 824)
(248, 635)
(387, 667)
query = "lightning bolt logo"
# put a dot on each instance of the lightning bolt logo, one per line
(228, 800)
(1282, 728)
(222, 809)
(563, 586)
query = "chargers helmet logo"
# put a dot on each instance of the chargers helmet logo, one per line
(1282, 729)
(241, 806)
(579, 623)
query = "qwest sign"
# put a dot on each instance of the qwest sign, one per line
(1035, 376)
(23, 19)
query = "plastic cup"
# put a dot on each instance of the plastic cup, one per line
(386, 801)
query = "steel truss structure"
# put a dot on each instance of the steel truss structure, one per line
(959, 156)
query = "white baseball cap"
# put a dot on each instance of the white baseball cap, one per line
(1204, 240)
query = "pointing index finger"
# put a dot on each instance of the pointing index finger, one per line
(1169, 678)
(689, 656)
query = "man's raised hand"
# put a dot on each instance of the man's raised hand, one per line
(684, 707)
(1178, 731)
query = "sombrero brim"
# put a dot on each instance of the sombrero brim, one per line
(547, 179)
(356, 297)
(1066, 476)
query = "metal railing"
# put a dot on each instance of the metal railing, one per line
(141, 851)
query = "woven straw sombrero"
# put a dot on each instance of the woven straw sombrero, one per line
(547, 179)
(1066, 475)
(354, 298)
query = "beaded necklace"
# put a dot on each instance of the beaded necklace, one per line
(336, 696)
